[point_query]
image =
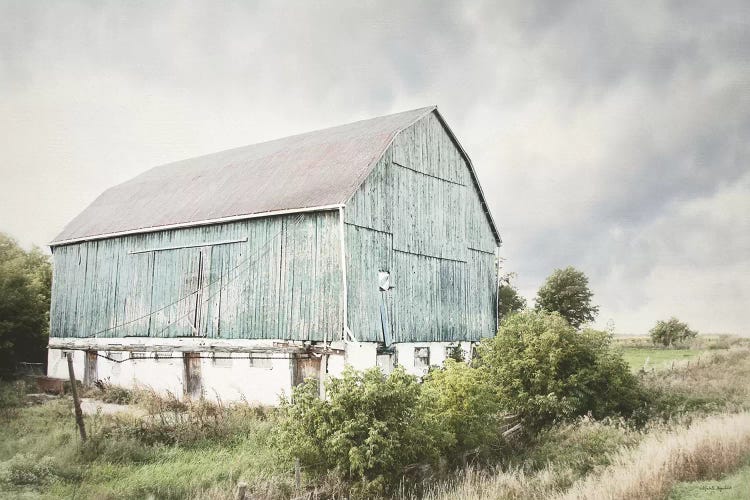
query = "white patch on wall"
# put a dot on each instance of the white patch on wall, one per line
(261, 360)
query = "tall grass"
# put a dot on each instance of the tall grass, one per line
(704, 450)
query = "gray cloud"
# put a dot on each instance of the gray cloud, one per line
(611, 136)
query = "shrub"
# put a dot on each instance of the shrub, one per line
(671, 332)
(545, 370)
(465, 401)
(25, 469)
(371, 428)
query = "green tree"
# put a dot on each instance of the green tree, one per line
(25, 283)
(671, 332)
(545, 370)
(508, 299)
(566, 291)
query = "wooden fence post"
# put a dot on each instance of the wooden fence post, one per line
(76, 401)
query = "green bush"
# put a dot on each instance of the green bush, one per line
(369, 432)
(545, 370)
(28, 470)
(463, 398)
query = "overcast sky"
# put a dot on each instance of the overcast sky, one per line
(611, 136)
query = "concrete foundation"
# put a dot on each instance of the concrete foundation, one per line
(257, 377)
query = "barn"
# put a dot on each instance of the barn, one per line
(241, 273)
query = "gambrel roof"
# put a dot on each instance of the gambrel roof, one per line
(316, 170)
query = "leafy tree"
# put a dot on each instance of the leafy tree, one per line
(368, 430)
(567, 292)
(670, 332)
(509, 300)
(25, 283)
(545, 370)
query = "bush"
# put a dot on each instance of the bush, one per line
(465, 401)
(545, 371)
(371, 428)
(25, 469)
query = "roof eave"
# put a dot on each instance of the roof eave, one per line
(206, 222)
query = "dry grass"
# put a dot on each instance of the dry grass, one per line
(703, 450)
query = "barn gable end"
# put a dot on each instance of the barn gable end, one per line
(420, 216)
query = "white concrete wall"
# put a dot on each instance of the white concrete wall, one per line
(231, 379)
(232, 376)
(236, 379)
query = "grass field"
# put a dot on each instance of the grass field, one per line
(658, 358)
(201, 451)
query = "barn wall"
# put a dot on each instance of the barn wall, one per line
(419, 216)
(283, 282)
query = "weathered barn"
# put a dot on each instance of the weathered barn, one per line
(239, 273)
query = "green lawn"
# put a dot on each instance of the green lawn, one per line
(658, 358)
(732, 487)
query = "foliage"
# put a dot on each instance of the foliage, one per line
(545, 370)
(25, 283)
(465, 401)
(670, 332)
(567, 292)
(368, 431)
(582, 445)
(509, 300)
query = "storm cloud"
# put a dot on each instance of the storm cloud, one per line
(612, 136)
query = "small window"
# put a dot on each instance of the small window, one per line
(138, 355)
(421, 357)
(163, 355)
(260, 360)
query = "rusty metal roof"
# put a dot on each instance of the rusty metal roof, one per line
(315, 170)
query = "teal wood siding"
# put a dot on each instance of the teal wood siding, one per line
(284, 282)
(419, 216)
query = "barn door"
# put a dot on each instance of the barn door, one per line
(179, 294)
(304, 368)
